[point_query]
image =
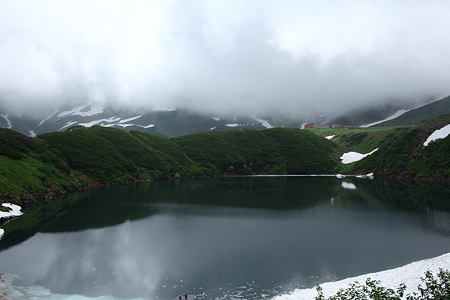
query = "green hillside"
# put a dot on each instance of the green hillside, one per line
(402, 154)
(270, 151)
(79, 157)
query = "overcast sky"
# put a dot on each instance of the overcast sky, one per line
(290, 56)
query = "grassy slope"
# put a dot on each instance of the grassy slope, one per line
(29, 168)
(357, 139)
(402, 154)
(272, 151)
(82, 156)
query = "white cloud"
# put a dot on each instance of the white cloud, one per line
(223, 56)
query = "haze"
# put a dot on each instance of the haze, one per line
(252, 57)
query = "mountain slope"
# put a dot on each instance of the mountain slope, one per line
(170, 123)
(424, 112)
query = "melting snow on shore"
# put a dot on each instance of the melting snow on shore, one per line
(409, 275)
(350, 157)
(14, 212)
(438, 134)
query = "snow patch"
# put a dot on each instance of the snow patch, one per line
(232, 125)
(92, 123)
(68, 124)
(409, 274)
(7, 120)
(348, 185)
(438, 134)
(93, 110)
(148, 126)
(125, 125)
(216, 118)
(330, 137)
(32, 133)
(14, 212)
(213, 128)
(351, 157)
(264, 123)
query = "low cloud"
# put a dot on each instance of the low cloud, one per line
(252, 57)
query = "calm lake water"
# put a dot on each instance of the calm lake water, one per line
(222, 238)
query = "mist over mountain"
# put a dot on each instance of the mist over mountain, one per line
(178, 122)
(285, 58)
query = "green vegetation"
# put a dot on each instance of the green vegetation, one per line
(79, 157)
(357, 139)
(402, 154)
(252, 151)
(29, 168)
(431, 287)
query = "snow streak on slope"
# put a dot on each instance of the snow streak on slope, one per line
(7, 120)
(48, 118)
(264, 123)
(396, 115)
(92, 123)
(130, 119)
(77, 111)
(401, 112)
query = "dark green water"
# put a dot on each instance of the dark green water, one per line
(230, 238)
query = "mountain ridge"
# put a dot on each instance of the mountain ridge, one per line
(179, 122)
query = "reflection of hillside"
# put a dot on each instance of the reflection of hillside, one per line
(112, 206)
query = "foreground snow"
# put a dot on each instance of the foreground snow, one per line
(350, 157)
(438, 134)
(409, 275)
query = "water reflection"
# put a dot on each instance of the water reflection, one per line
(219, 237)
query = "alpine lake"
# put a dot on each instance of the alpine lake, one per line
(221, 238)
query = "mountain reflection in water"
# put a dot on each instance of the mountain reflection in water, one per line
(224, 237)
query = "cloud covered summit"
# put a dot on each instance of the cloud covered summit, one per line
(253, 57)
